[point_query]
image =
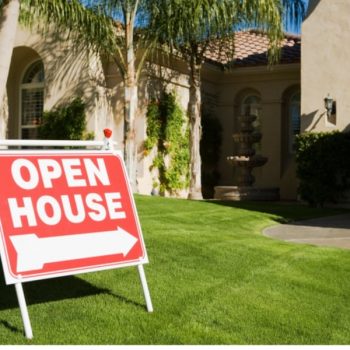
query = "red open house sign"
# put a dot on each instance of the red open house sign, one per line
(64, 213)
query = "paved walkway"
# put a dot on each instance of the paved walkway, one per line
(333, 231)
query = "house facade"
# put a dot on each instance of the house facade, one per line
(49, 71)
(270, 93)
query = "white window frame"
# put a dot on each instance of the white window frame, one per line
(28, 86)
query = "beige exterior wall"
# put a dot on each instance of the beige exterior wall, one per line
(325, 62)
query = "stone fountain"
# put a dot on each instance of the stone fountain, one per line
(246, 160)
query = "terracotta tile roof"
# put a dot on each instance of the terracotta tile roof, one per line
(250, 49)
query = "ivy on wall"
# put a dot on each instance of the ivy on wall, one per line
(168, 132)
(65, 123)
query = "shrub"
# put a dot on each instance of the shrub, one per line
(323, 166)
(65, 123)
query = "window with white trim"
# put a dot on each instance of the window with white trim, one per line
(32, 100)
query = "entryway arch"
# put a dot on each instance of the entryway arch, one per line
(26, 93)
(31, 100)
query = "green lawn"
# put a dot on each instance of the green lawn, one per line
(213, 277)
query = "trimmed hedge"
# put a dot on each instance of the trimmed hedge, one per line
(323, 166)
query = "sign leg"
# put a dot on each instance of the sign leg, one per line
(24, 311)
(145, 288)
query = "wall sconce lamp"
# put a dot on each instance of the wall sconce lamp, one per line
(330, 106)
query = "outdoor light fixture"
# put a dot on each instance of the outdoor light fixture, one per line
(329, 104)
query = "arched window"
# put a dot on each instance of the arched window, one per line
(32, 100)
(251, 105)
(293, 119)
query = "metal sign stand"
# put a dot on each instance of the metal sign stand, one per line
(145, 288)
(103, 145)
(24, 311)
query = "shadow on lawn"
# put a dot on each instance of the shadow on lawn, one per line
(289, 212)
(54, 289)
(47, 290)
(44, 291)
(274, 208)
(10, 327)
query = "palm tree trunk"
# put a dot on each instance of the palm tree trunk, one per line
(130, 107)
(8, 25)
(130, 92)
(195, 190)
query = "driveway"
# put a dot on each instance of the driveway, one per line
(333, 231)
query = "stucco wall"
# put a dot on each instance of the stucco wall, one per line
(325, 62)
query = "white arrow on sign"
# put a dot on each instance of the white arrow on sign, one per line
(33, 252)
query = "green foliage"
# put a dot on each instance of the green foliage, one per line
(323, 166)
(210, 148)
(86, 25)
(65, 123)
(153, 125)
(167, 129)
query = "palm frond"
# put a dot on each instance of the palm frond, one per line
(82, 23)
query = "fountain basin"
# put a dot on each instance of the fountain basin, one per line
(249, 193)
(248, 162)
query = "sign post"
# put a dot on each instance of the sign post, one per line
(24, 310)
(66, 212)
(145, 288)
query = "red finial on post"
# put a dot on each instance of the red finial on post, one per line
(108, 133)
